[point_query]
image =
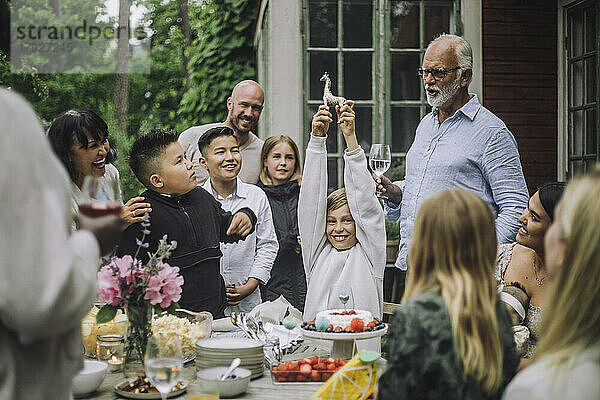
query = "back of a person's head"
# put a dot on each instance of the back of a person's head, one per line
(210, 135)
(454, 231)
(550, 194)
(269, 144)
(453, 247)
(514, 294)
(73, 126)
(147, 153)
(572, 322)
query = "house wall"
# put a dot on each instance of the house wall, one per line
(279, 53)
(520, 79)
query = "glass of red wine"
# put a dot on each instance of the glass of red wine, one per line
(100, 196)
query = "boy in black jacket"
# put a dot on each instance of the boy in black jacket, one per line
(187, 214)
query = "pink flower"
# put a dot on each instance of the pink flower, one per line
(165, 287)
(124, 265)
(109, 291)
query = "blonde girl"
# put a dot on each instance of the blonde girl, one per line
(451, 338)
(280, 180)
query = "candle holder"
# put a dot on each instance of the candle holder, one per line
(111, 349)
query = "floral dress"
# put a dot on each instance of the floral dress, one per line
(422, 360)
(534, 313)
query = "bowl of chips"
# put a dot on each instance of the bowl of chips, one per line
(90, 329)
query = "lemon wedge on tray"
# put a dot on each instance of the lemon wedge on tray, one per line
(355, 380)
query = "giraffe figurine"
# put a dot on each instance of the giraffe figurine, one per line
(328, 98)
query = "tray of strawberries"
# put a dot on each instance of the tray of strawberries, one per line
(315, 370)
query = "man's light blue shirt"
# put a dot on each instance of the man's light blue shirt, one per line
(473, 150)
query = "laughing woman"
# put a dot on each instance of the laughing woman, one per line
(80, 140)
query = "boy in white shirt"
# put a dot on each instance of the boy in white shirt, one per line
(245, 264)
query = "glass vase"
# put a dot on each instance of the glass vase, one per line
(139, 329)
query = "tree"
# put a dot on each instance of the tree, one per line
(121, 95)
(222, 56)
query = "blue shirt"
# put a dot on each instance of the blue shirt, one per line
(472, 150)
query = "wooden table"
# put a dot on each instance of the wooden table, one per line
(260, 388)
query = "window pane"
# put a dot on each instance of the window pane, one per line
(577, 168)
(576, 34)
(364, 117)
(405, 82)
(332, 183)
(404, 24)
(332, 146)
(590, 85)
(404, 124)
(591, 38)
(357, 76)
(591, 134)
(590, 165)
(577, 133)
(358, 19)
(577, 84)
(319, 63)
(437, 20)
(322, 16)
(396, 171)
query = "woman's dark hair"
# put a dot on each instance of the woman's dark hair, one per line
(75, 124)
(550, 195)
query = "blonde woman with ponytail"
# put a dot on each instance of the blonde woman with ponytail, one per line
(567, 361)
(451, 338)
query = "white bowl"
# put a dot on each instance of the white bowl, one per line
(228, 387)
(89, 378)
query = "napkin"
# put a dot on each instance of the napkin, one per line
(275, 311)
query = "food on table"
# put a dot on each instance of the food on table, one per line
(168, 328)
(339, 317)
(90, 329)
(340, 321)
(313, 369)
(142, 384)
(355, 380)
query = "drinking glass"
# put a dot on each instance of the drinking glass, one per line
(337, 293)
(164, 363)
(380, 159)
(100, 196)
(203, 390)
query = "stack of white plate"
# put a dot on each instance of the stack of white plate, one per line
(220, 351)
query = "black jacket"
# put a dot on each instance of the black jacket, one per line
(287, 276)
(198, 223)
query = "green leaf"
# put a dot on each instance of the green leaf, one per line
(171, 309)
(368, 356)
(106, 313)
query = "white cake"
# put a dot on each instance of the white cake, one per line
(341, 317)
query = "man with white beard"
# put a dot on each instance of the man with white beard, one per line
(459, 143)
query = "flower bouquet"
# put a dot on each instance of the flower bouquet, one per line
(139, 289)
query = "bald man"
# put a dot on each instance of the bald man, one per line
(244, 108)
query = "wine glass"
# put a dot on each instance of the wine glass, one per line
(164, 362)
(380, 159)
(340, 296)
(100, 196)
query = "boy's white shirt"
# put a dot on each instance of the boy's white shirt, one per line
(361, 266)
(254, 256)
